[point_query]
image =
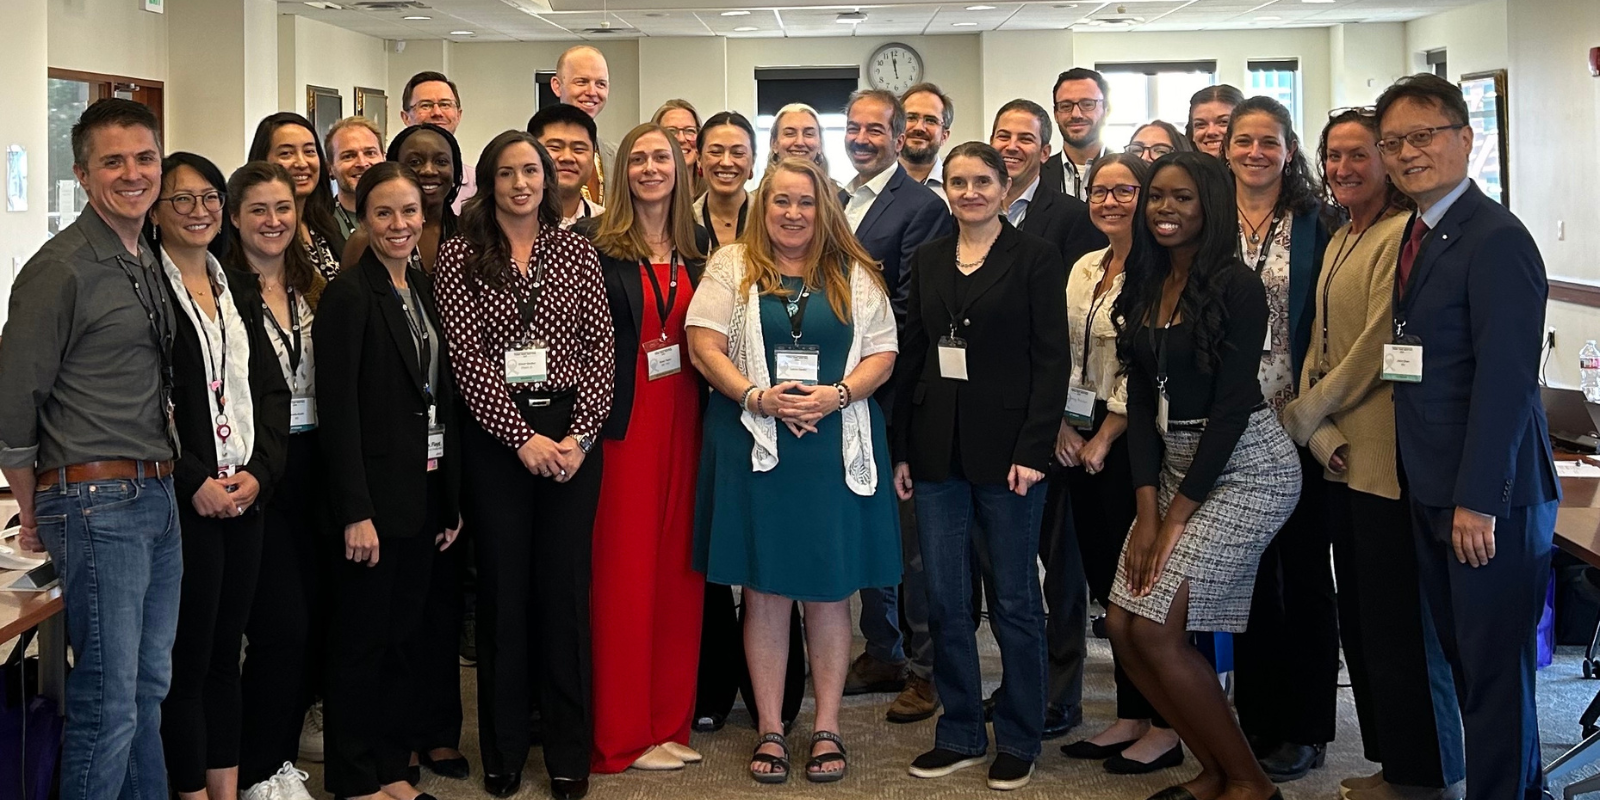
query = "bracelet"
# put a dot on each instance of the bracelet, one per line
(744, 399)
(760, 395)
(844, 394)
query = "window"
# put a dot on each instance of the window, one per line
(1438, 62)
(1278, 79)
(546, 95)
(70, 93)
(825, 89)
(1142, 92)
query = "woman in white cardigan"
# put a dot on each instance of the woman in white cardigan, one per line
(792, 327)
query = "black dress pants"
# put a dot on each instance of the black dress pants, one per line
(1386, 633)
(723, 670)
(200, 716)
(437, 717)
(1286, 665)
(285, 663)
(534, 543)
(369, 706)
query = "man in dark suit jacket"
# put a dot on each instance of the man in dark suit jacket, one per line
(892, 215)
(1080, 104)
(1473, 443)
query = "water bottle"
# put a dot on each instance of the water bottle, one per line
(1589, 369)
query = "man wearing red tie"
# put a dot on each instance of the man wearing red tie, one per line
(1468, 324)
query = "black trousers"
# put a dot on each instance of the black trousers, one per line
(437, 713)
(376, 627)
(285, 664)
(1385, 634)
(534, 543)
(200, 717)
(723, 670)
(1286, 666)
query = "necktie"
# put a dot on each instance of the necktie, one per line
(1408, 253)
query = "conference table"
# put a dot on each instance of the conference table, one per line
(1578, 533)
(22, 610)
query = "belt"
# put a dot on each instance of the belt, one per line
(105, 471)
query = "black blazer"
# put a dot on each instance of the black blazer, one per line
(372, 416)
(1018, 361)
(625, 294)
(1062, 220)
(269, 396)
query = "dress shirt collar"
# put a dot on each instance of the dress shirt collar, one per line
(1018, 210)
(874, 185)
(106, 243)
(1435, 215)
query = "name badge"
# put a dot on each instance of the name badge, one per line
(797, 363)
(1266, 345)
(227, 471)
(1080, 407)
(435, 446)
(662, 358)
(1402, 362)
(1161, 411)
(953, 358)
(528, 363)
(302, 414)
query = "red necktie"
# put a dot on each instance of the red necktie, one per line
(1408, 253)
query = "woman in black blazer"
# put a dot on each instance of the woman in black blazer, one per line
(232, 416)
(386, 401)
(982, 383)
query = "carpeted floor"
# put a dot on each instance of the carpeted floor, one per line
(880, 752)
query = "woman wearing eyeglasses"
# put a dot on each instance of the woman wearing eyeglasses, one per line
(1287, 664)
(682, 123)
(1345, 415)
(1156, 139)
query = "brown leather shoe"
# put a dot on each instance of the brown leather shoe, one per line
(916, 703)
(869, 675)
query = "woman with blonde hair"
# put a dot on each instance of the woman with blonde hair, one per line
(681, 121)
(774, 356)
(796, 136)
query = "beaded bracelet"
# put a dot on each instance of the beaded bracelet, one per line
(744, 399)
(844, 394)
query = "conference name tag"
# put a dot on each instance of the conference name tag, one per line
(1080, 407)
(1402, 362)
(1161, 411)
(302, 414)
(953, 358)
(527, 364)
(797, 363)
(1266, 346)
(435, 446)
(662, 359)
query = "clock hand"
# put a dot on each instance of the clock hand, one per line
(897, 65)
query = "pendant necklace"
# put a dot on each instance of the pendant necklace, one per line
(1254, 227)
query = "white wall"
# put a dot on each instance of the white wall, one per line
(304, 49)
(217, 94)
(1474, 37)
(670, 75)
(112, 37)
(24, 123)
(1363, 60)
(1005, 80)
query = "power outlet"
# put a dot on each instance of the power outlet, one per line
(1550, 336)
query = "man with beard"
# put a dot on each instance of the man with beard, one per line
(1080, 104)
(892, 215)
(353, 145)
(929, 114)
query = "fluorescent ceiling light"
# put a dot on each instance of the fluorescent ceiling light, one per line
(416, 18)
(745, 29)
(462, 33)
(735, 13)
(980, 8)
(963, 24)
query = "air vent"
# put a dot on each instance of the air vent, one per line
(605, 28)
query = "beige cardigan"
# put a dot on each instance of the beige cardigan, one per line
(1350, 404)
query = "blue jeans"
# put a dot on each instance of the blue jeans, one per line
(880, 609)
(118, 551)
(947, 512)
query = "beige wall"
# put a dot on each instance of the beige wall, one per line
(1474, 36)
(1362, 60)
(217, 94)
(24, 123)
(1004, 81)
(114, 37)
(303, 49)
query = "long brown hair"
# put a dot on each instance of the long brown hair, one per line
(298, 272)
(480, 215)
(833, 247)
(618, 233)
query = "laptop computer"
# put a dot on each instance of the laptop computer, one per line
(1573, 420)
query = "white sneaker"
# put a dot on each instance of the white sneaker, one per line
(291, 783)
(265, 790)
(311, 734)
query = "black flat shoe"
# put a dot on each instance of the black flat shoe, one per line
(456, 768)
(1120, 764)
(1058, 722)
(569, 788)
(709, 723)
(1291, 762)
(1173, 793)
(414, 774)
(502, 785)
(1089, 751)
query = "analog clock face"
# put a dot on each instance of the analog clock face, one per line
(895, 68)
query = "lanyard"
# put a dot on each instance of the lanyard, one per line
(1088, 322)
(1339, 257)
(738, 225)
(1266, 246)
(294, 323)
(797, 311)
(161, 335)
(216, 366)
(419, 334)
(665, 305)
(531, 305)
(1161, 349)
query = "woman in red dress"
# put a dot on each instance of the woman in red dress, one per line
(646, 597)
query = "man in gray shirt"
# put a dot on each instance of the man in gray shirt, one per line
(86, 444)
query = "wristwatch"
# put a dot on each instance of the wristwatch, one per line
(586, 443)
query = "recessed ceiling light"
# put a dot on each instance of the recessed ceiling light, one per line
(655, 15)
(325, 6)
(963, 24)
(735, 13)
(1316, 1)
(745, 29)
(980, 8)
(462, 33)
(416, 18)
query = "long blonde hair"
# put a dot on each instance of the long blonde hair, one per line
(618, 233)
(833, 247)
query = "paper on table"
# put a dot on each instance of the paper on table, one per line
(1576, 469)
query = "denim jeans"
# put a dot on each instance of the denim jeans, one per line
(881, 608)
(947, 514)
(118, 551)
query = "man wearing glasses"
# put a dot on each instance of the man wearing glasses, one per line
(929, 114)
(1080, 111)
(431, 97)
(1469, 307)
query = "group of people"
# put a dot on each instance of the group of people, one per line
(318, 408)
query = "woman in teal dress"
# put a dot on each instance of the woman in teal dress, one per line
(792, 326)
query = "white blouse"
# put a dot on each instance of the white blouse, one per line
(237, 449)
(1099, 331)
(302, 381)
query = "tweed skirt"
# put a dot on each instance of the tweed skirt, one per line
(1220, 549)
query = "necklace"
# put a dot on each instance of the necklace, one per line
(969, 266)
(792, 304)
(1255, 227)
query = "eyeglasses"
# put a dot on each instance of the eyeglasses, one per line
(1364, 111)
(184, 204)
(1087, 106)
(1155, 150)
(428, 106)
(1419, 138)
(689, 131)
(1123, 192)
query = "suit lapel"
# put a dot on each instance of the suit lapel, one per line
(1038, 209)
(393, 315)
(1442, 238)
(882, 203)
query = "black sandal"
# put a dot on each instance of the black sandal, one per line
(778, 767)
(814, 768)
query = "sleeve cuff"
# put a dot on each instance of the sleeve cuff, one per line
(19, 457)
(1325, 442)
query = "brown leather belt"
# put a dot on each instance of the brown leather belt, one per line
(105, 471)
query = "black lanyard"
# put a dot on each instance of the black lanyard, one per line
(796, 309)
(1088, 322)
(531, 305)
(216, 366)
(158, 316)
(1161, 349)
(1266, 246)
(419, 335)
(738, 225)
(1339, 257)
(294, 323)
(664, 305)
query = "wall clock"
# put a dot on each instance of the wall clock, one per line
(894, 67)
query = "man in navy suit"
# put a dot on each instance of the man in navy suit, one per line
(892, 215)
(1470, 295)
